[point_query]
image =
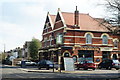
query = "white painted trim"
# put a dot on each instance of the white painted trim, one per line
(116, 55)
(97, 56)
(105, 34)
(89, 33)
(115, 39)
(54, 30)
(85, 37)
(69, 43)
(96, 63)
(58, 21)
(66, 52)
(75, 36)
(52, 24)
(86, 44)
(61, 17)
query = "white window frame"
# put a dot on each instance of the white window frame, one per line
(88, 39)
(104, 40)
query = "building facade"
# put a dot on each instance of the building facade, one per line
(79, 36)
(25, 50)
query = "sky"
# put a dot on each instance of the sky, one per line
(21, 20)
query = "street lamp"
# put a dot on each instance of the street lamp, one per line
(53, 59)
(59, 61)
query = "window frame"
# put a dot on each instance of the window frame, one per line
(115, 44)
(105, 40)
(88, 39)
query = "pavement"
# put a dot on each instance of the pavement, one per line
(89, 71)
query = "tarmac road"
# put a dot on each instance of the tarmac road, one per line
(13, 73)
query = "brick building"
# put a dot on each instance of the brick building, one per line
(79, 36)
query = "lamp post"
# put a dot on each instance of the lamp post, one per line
(4, 51)
(59, 60)
(53, 59)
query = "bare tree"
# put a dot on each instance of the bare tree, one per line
(113, 7)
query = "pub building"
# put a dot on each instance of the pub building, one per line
(78, 36)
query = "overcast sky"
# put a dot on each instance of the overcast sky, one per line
(21, 20)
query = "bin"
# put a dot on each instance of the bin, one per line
(23, 65)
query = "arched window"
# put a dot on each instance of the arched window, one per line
(116, 43)
(104, 39)
(88, 39)
(66, 54)
(114, 56)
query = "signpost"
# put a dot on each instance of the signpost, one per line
(69, 64)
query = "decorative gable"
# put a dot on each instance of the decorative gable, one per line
(59, 21)
(48, 24)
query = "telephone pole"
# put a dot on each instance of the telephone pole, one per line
(4, 51)
(4, 48)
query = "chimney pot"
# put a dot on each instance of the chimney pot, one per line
(76, 17)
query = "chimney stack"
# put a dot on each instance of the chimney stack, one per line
(76, 17)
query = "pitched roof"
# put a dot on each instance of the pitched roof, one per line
(86, 22)
(53, 18)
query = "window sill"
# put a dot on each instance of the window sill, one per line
(115, 48)
(105, 44)
(89, 43)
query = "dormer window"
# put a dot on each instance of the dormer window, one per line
(104, 39)
(88, 39)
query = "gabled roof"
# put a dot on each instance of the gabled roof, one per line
(86, 22)
(53, 18)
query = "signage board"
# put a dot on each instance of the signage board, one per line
(106, 48)
(69, 64)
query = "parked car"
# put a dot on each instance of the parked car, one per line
(108, 64)
(30, 63)
(18, 63)
(47, 64)
(86, 65)
(27, 63)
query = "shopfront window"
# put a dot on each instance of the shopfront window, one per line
(88, 39)
(86, 54)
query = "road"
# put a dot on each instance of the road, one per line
(11, 73)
